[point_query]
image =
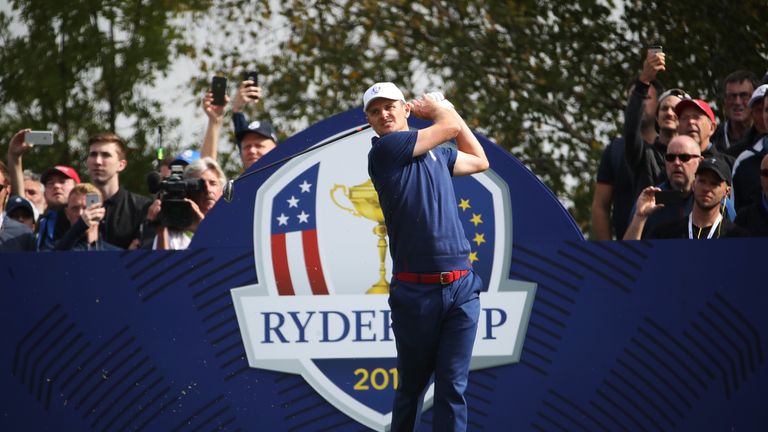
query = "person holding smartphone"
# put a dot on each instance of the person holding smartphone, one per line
(672, 199)
(254, 139)
(681, 161)
(644, 148)
(85, 212)
(706, 220)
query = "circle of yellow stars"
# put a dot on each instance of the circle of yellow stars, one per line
(476, 219)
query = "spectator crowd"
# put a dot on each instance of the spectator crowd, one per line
(678, 172)
(57, 211)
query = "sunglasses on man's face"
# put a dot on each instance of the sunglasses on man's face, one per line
(684, 157)
(764, 173)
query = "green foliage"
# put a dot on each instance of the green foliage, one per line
(543, 79)
(704, 42)
(77, 69)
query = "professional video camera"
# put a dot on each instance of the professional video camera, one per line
(176, 213)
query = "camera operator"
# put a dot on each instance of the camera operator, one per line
(185, 203)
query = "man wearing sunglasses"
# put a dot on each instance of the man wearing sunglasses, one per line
(681, 161)
(737, 127)
(672, 199)
(706, 220)
(754, 218)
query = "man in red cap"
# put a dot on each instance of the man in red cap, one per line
(697, 120)
(58, 181)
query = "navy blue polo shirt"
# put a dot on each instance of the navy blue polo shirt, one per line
(419, 204)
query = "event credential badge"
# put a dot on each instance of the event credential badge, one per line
(320, 306)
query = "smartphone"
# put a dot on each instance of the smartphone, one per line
(39, 137)
(252, 76)
(655, 49)
(670, 197)
(219, 89)
(91, 199)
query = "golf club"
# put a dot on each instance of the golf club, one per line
(229, 188)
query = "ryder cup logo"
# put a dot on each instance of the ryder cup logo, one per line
(320, 307)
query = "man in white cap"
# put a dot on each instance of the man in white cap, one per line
(434, 294)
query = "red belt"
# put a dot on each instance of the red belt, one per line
(443, 278)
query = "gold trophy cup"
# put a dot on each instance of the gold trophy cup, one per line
(366, 204)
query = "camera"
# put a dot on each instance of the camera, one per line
(176, 212)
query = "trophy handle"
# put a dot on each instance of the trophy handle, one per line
(333, 198)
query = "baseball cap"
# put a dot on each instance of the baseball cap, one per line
(16, 203)
(263, 128)
(758, 94)
(67, 171)
(716, 165)
(698, 103)
(672, 92)
(186, 157)
(385, 90)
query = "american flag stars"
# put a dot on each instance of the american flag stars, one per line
(296, 206)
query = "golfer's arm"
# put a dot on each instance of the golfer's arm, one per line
(445, 127)
(471, 158)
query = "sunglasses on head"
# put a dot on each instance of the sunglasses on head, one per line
(764, 173)
(684, 157)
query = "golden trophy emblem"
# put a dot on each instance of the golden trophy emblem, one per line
(366, 204)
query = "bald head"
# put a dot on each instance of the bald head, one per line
(685, 155)
(683, 144)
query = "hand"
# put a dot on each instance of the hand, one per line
(653, 64)
(246, 94)
(440, 97)
(17, 147)
(196, 209)
(646, 202)
(426, 107)
(93, 215)
(215, 113)
(154, 210)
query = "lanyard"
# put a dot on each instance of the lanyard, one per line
(711, 230)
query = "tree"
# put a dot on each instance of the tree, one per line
(79, 69)
(542, 79)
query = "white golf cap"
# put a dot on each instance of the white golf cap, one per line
(758, 94)
(385, 90)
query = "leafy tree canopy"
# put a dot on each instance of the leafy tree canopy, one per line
(81, 68)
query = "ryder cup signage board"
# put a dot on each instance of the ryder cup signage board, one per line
(276, 317)
(325, 271)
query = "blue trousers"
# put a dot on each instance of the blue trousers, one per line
(434, 327)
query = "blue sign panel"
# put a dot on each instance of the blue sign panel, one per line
(276, 317)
